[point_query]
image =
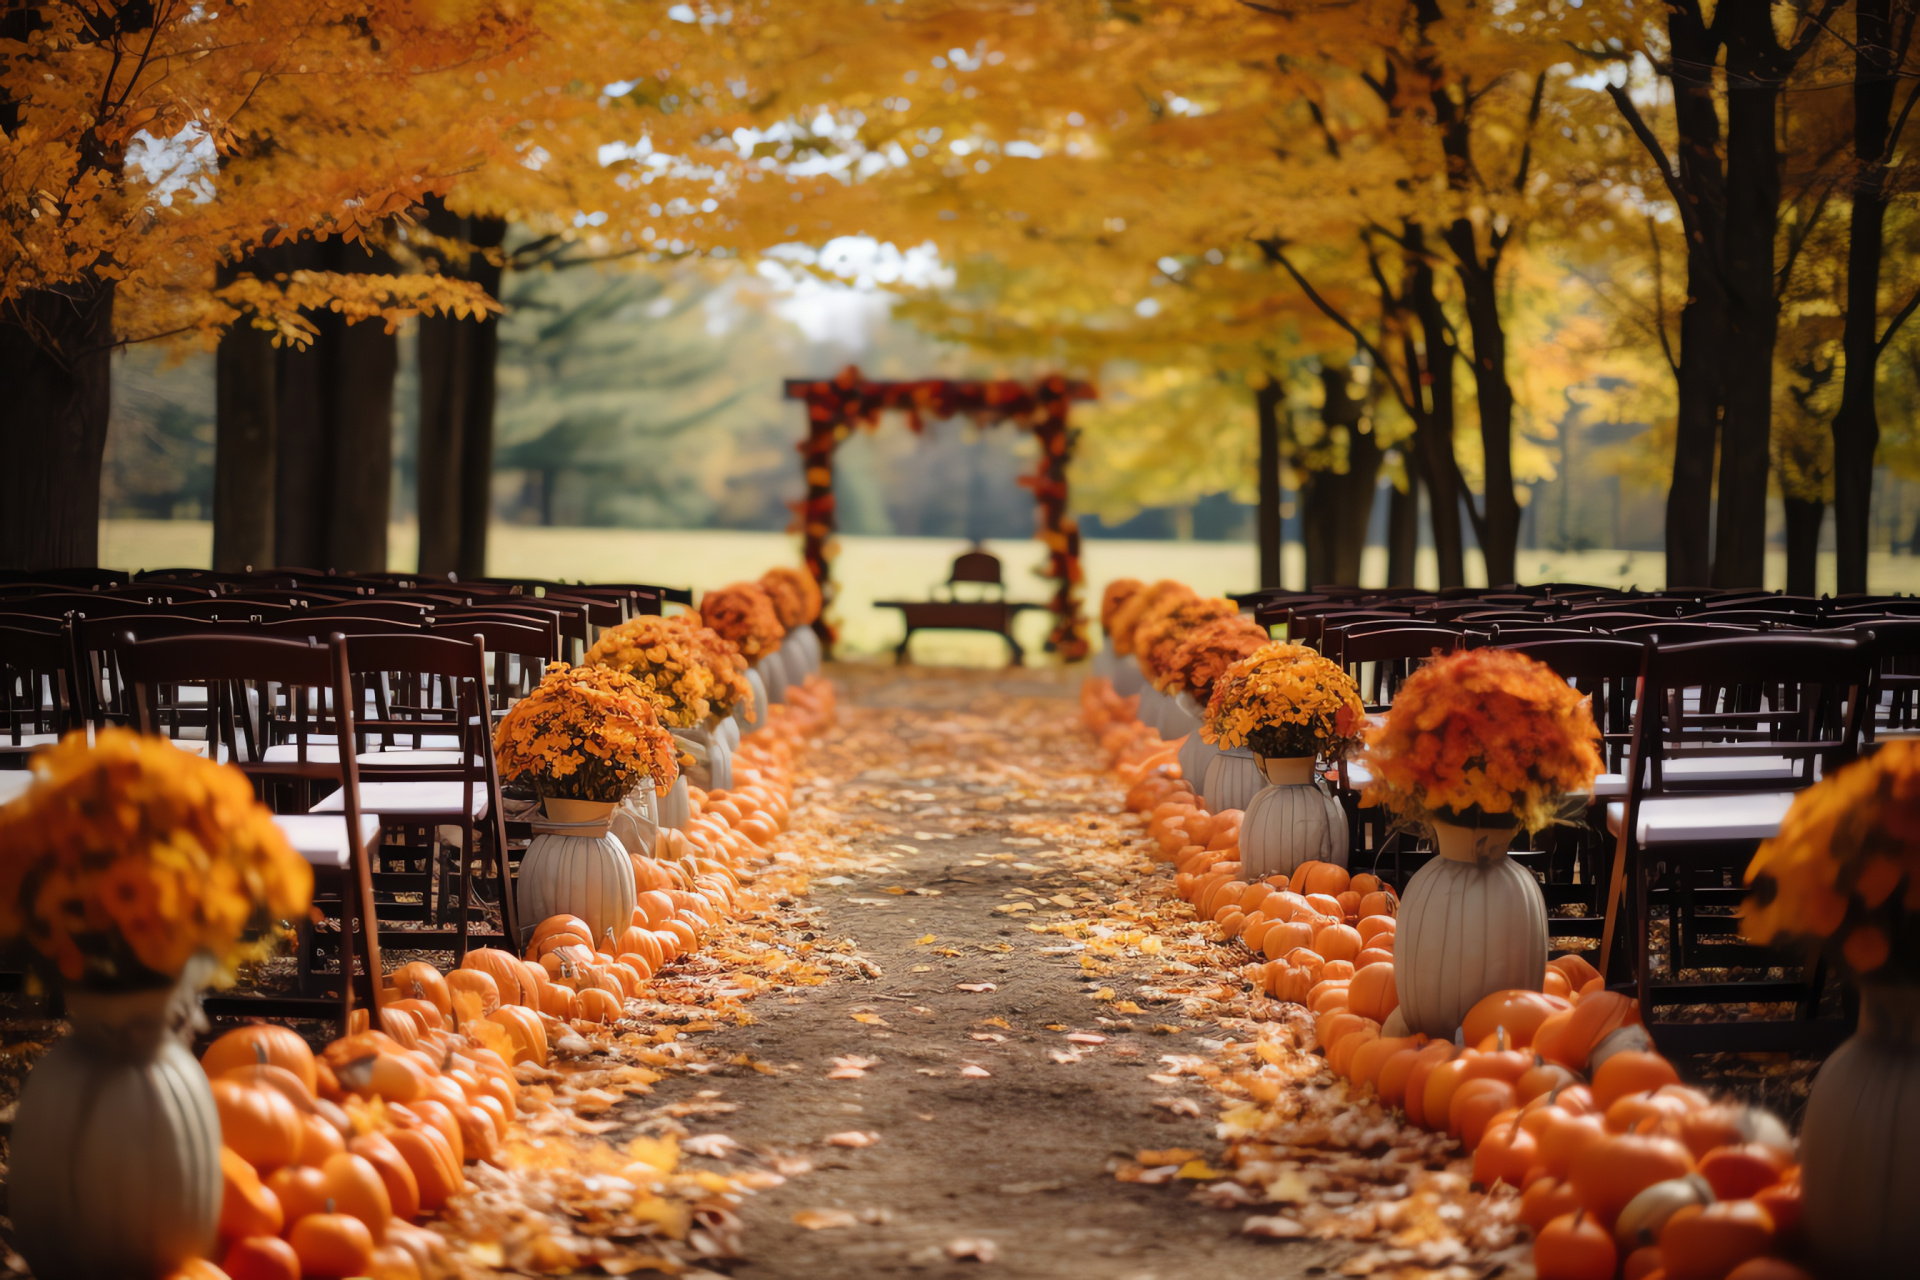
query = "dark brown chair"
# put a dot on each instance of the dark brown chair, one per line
(314, 683)
(42, 701)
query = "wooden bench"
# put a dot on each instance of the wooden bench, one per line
(995, 615)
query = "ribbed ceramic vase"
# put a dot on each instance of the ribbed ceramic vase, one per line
(1232, 780)
(1472, 922)
(712, 767)
(753, 717)
(1106, 663)
(676, 807)
(576, 866)
(636, 823)
(1196, 753)
(1860, 1141)
(774, 673)
(115, 1160)
(1176, 720)
(728, 731)
(1290, 821)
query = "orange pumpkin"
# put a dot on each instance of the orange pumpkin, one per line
(319, 1139)
(1591, 1020)
(1325, 904)
(247, 1207)
(1575, 969)
(1364, 883)
(675, 940)
(261, 1258)
(596, 1005)
(356, 1188)
(1520, 1011)
(530, 1035)
(257, 1122)
(479, 984)
(258, 1043)
(1337, 970)
(421, 981)
(1372, 993)
(1373, 955)
(1474, 1105)
(1396, 1084)
(403, 1189)
(653, 908)
(1338, 942)
(1706, 1242)
(1284, 937)
(436, 1171)
(1320, 877)
(1378, 904)
(1566, 1137)
(557, 1001)
(1544, 1200)
(1610, 1173)
(1575, 1247)
(1291, 982)
(501, 967)
(560, 926)
(1505, 1153)
(332, 1246)
(1743, 1171)
(1436, 1100)
(1341, 1053)
(1377, 931)
(301, 1190)
(1368, 1060)
(1631, 1071)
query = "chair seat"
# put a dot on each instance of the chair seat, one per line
(1714, 769)
(427, 742)
(1694, 819)
(14, 784)
(410, 800)
(322, 838)
(28, 742)
(329, 753)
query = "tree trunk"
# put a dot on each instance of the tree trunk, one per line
(1266, 403)
(246, 425)
(1856, 427)
(1753, 316)
(1804, 516)
(1500, 525)
(457, 361)
(1337, 504)
(334, 466)
(1403, 528)
(1430, 375)
(56, 368)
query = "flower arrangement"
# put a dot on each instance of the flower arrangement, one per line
(1157, 640)
(128, 857)
(1116, 594)
(744, 614)
(1284, 701)
(785, 582)
(723, 662)
(585, 733)
(1483, 733)
(664, 658)
(1210, 648)
(1143, 606)
(1843, 875)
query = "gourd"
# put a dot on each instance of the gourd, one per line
(1289, 825)
(1465, 931)
(586, 876)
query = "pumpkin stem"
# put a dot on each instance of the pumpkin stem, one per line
(329, 1204)
(259, 1054)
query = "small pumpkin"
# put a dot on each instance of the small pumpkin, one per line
(597, 1005)
(421, 981)
(1574, 1247)
(1706, 1242)
(301, 1190)
(403, 1189)
(480, 984)
(1628, 1072)
(332, 1246)
(262, 1042)
(1609, 1174)
(501, 967)
(257, 1122)
(1371, 992)
(1519, 1011)
(435, 1171)
(247, 1207)
(261, 1258)
(355, 1187)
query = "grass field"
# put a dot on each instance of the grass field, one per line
(872, 569)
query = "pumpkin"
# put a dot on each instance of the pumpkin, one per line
(356, 1188)
(478, 1132)
(1591, 1020)
(1337, 970)
(257, 1122)
(1630, 1072)
(1395, 1078)
(1326, 907)
(1544, 1200)
(1520, 1012)
(501, 967)
(1645, 1216)
(1341, 1053)
(1743, 1171)
(403, 1189)
(653, 908)
(1337, 942)
(1466, 930)
(1373, 929)
(585, 876)
(1281, 938)
(401, 1025)
(1380, 904)
(247, 1207)
(1575, 969)
(529, 1036)
(597, 1005)
(436, 1172)
(684, 933)
(1373, 955)
(421, 981)
(396, 1077)
(301, 1190)
(480, 984)
(1365, 1065)
(1436, 1100)
(261, 1042)
(1322, 877)
(1574, 1247)
(319, 1139)
(425, 1012)
(391, 1262)
(1474, 1105)
(1609, 1174)
(1706, 1242)
(261, 1258)
(332, 1245)
(1293, 982)
(1505, 1153)
(1566, 1137)
(1542, 1078)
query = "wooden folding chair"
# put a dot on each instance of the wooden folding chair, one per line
(338, 845)
(1725, 731)
(42, 702)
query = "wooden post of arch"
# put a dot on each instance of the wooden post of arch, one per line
(837, 405)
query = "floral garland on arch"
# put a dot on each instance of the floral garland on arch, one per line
(836, 406)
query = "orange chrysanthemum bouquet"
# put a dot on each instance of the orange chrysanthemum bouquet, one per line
(585, 733)
(1484, 737)
(1843, 875)
(129, 857)
(665, 658)
(1285, 701)
(744, 614)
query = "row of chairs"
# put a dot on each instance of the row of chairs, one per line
(367, 730)
(1727, 710)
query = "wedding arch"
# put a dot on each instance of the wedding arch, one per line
(838, 405)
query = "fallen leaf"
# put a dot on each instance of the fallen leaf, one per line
(1173, 1155)
(1086, 1037)
(871, 1019)
(824, 1219)
(921, 942)
(852, 1138)
(994, 1036)
(716, 1145)
(1030, 1188)
(1002, 1023)
(1273, 1227)
(1178, 1106)
(974, 1247)
(1200, 1171)
(976, 986)
(975, 1073)
(1104, 993)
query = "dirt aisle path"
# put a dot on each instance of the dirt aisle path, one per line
(997, 1073)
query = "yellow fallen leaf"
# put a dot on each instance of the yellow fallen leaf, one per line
(1172, 1155)
(1199, 1171)
(824, 1219)
(871, 1019)
(921, 942)
(895, 890)
(1104, 993)
(1002, 1023)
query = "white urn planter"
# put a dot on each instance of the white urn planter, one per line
(1472, 922)
(116, 1142)
(676, 806)
(712, 767)
(1196, 755)
(1106, 664)
(636, 822)
(774, 673)
(1860, 1141)
(806, 645)
(727, 730)
(576, 866)
(1128, 679)
(1232, 780)
(753, 717)
(1290, 821)
(1178, 720)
